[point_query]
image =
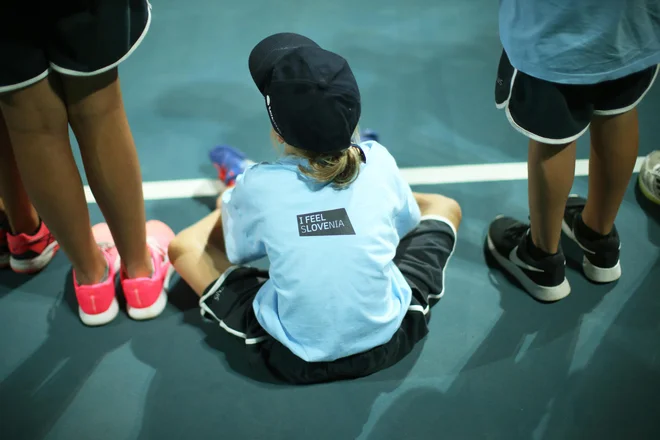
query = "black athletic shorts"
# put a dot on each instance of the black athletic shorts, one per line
(72, 37)
(560, 113)
(421, 257)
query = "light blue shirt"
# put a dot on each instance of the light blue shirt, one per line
(580, 41)
(333, 290)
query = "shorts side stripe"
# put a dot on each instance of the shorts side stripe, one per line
(29, 82)
(444, 269)
(529, 134)
(204, 309)
(634, 104)
(137, 43)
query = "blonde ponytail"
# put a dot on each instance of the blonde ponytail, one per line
(339, 169)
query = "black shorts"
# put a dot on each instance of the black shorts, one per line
(560, 113)
(72, 37)
(422, 257)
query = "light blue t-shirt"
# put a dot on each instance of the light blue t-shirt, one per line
(334, 290)
(580, 41)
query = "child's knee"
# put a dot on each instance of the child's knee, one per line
(437, 204)
(450, 208)
(177, 247)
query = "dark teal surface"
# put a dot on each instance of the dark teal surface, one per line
(496, 365)
(426, 72)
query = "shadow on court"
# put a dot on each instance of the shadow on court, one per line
(37, 393)
(201, 385)
(222, 393)
(522, 382)
(11, 281)
(561, 371)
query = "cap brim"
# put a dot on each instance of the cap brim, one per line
(265, 54)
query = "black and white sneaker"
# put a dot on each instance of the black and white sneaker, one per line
(601, 252)
(509, 242)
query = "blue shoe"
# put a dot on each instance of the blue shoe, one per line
(229, 162)
(369, 135)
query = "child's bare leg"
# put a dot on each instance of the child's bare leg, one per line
(438, 205)
(614, 146)
(16, 204)
(551, 170)
(97, 117)
(198, 252)
(37, 123)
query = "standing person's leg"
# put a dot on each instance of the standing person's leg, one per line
(20, 213)
(27, 244)
(98, 118)
(37, 123)
(614, 149)
(553, 117)
(4, 230)
(551, 171)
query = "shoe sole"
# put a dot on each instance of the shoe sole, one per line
(100, 318)
(36, 264)
(594, 273)
(647, 192)
(542, 293)
(157, 307)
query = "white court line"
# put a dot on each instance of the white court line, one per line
(497, 172)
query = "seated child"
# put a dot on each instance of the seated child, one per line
(355, 257)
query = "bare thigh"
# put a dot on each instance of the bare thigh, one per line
(198, 254)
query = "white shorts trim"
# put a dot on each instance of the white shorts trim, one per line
(444, 269)
(620, 111)
(204, 309)
(417, 308)
(441, 219)
(70, 72)
(505, 105)
(26, 83)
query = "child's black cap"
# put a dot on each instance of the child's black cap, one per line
(311, 94)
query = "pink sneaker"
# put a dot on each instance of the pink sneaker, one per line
(146, 298)
(31, 253)
(97, 304)
(4, 246)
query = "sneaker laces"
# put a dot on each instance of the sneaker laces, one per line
(105, 246)
(156, 246)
